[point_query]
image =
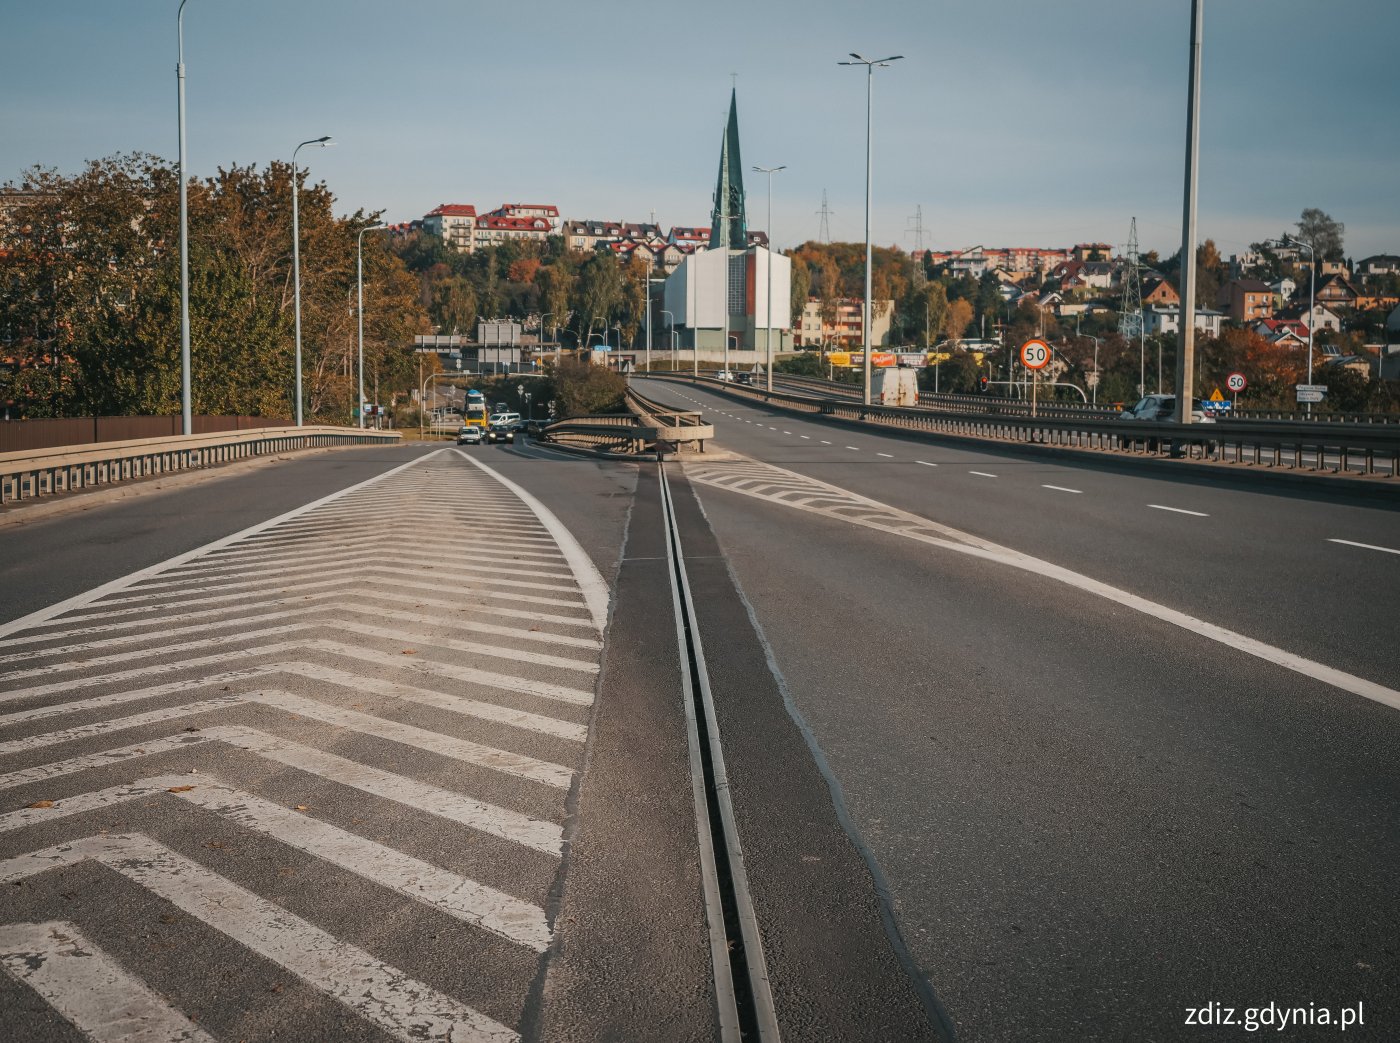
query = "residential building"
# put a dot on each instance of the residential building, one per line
(585, 236)
(528, 210)
(1156, 290)
(492, 230)
(1092, 252)
(1336, 291)
(454, 224)
(1283, 332)
(844, 331)
(1323, 317)
(689, 237)
(1378, 264)
(1246, 300)
(1339, 267)
(1162, 318)
(1283, 289)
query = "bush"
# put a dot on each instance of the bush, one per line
(583, 389)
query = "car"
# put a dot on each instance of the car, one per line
(743, 378)
(502, 416)
(726, 375)
(500, 433)
(470, 434)
(1162, 408)
(536, 427)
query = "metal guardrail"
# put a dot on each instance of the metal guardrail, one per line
(1298, 445)
(680, 427)
(44, 472)
(620, 434)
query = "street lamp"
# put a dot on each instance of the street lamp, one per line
(869, 88)
(296, 261)
(186, 417)
(1312, 304)
(360, 284)
(768, 334)
(672, 327)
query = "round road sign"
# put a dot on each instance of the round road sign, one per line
(1235, 382)
(1035, 354)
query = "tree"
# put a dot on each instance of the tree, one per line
(597, 293)
(454, 306)
(801, 289)
(957, 319)
(1322, 233)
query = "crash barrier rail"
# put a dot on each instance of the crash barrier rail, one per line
(622, 434)
(683, 428)
(1017, 406)
(32, 474)
(1355, 449)
(27, 436)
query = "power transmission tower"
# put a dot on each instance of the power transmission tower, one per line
(918, 230)
(824, 236)
(1130, 322)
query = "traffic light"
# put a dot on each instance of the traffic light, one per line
(982, 383)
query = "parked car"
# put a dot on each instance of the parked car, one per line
(469, 434)
(1161, 408)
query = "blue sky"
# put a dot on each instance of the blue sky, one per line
(1011, 122)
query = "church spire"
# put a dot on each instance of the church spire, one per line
(728, 227)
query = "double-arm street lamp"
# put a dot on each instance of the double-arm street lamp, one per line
(296, 262)
(869, 88)
(768, 335)
(360, 283)
(1312, 302)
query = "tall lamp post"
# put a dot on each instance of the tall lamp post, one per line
(1312, 302)
(296, 261)
(768, 333)
(869, 88)
(186, 417)
(672, 327)
(360, 284)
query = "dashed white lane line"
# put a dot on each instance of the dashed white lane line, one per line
(825, 442)
(1062, 489)
(982, 474)
(787, 432)
(925, 463)
(887, 456)
(853, 448)
(804, 436)
(1178, 510)
(1366, 546)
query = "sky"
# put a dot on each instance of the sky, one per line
(1007, 122)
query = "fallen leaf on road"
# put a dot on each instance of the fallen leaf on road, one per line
(42, 804)
(179, 789)
(410, 651)
(301, 807)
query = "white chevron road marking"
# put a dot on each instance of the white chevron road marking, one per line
(464, 750)
(407, 1009)
(420, 664)
(538, 834)
(465, 899)
(89, 988)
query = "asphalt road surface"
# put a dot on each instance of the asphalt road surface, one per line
(389, 744)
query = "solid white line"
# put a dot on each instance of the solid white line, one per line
(985, 549)
(405, 1008)
(1178, 510)
(78, 600)
(1062, 489)
(89, 988)
(887, 456)
(982, 474)
(925, 463)
(1366, 546)
(586, 574)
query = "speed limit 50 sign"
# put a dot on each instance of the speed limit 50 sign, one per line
(1035, 354)
(1235, 382)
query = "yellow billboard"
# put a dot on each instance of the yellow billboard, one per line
(839, 358)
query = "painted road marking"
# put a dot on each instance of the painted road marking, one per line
(385, 995)
(925, 463)
(1062, 489)
(853, 448)
(887, 456)
(825, 442)
(882, 517)
(804, 436)
(89, 988)
(1178, 510)
(982, 474)
(1366, 546)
